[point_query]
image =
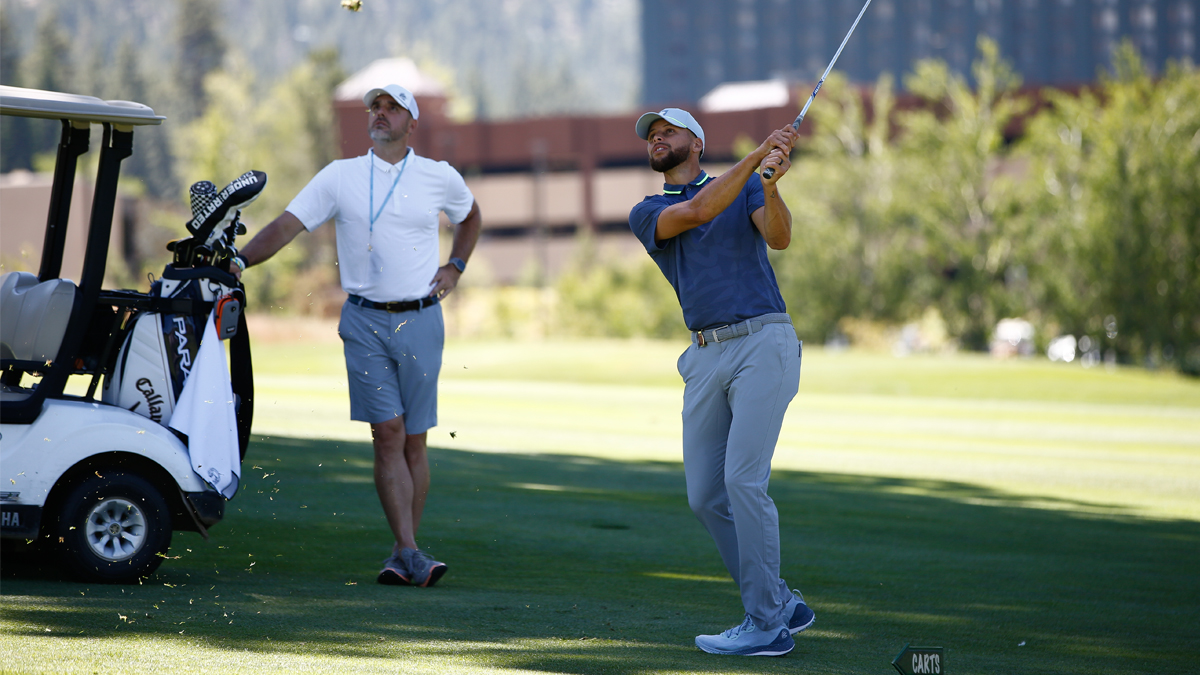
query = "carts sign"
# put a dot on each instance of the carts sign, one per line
(919, 660)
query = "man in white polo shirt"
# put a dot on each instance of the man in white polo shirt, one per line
(385, 207)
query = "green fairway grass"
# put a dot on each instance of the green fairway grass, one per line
(1029, 517)
(1117, 441)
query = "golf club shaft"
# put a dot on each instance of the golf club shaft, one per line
(800, 118)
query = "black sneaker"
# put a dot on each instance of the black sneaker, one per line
(425, 571)
(395, 572)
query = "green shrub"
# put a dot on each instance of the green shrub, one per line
(617, 300)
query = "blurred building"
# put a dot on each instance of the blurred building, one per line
(691, 46)
(26, 196)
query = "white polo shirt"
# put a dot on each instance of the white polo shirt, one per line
(397, 256)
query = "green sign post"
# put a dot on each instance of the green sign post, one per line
(920, 661)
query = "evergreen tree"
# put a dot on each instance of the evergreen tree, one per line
(151, 161)
(201, 51)
(16, 152)
(48, 67)
(10, 52)
(315, 82)
(91, 74)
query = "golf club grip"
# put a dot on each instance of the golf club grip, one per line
(769, 172)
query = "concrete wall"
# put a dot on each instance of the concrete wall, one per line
(513, 246)
(24, 201)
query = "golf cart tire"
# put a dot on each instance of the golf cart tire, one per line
(115, 528)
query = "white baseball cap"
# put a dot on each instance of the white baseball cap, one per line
(403, 96)
(680, 118)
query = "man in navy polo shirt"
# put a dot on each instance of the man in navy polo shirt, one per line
(709, 236)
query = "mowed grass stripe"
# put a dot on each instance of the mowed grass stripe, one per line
(1125, 455)
(652, 363)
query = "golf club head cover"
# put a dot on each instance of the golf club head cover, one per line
(213, 212)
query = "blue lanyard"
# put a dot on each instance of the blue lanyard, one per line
(371, 209)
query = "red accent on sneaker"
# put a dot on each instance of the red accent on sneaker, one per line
(435, 573)
(393, 575)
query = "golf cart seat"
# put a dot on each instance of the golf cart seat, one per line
(33, 320)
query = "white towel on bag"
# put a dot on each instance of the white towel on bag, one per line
(205, 412)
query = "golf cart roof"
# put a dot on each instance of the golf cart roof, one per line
(84, 109)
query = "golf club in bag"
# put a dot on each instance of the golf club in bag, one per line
(800, 118)
(163, 340)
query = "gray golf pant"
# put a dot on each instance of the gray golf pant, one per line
(735, 395)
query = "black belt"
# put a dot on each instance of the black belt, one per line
(395, 306)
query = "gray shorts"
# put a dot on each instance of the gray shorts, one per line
(393, 361)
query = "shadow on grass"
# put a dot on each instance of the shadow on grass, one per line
(581, 565)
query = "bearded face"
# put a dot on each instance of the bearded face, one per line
(670, 160)
(388, 121)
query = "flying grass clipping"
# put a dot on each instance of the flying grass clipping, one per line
(352, 5)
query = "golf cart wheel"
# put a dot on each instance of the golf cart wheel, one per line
(115, 527)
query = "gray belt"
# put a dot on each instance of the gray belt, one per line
(737, 330)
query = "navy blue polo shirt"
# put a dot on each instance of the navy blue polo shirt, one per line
(719, 270)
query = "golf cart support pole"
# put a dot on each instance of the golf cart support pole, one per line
(117, 145)
(73, 143)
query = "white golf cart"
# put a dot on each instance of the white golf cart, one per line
(100, 484)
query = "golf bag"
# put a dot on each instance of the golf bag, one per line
(156, 357)
(163, 338)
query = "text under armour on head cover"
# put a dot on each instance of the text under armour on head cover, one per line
(403, 96)
(680, 118)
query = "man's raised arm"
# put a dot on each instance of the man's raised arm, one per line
(277, 234)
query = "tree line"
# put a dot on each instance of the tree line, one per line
(60, 57)
(247, 84)
(1087, 224)
(496, 60)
